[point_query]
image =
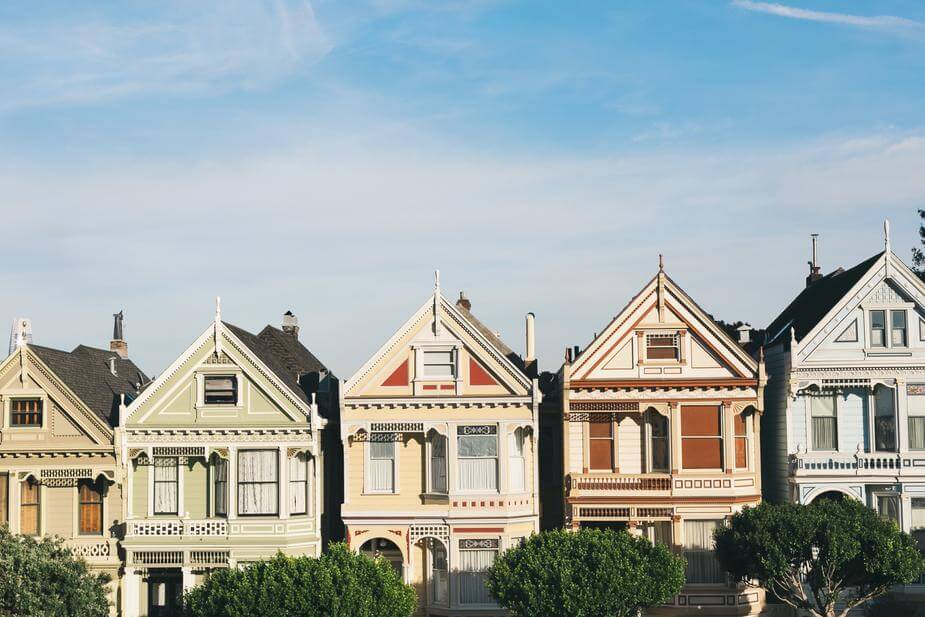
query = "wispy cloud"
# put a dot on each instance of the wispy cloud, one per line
(179, 47)
(889, 23)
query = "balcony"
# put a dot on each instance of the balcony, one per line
(95, 551)
(158, 531)
(859, 464)
(177, 528)
(686, 484)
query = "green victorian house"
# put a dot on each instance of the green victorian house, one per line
(223, 462)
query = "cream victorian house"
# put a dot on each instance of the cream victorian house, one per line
(60, 474)
(222, 456)
(661, 437)
(439, 430)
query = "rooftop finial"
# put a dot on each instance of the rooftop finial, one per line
(886, 234)
(436, 303)
(218, 308)
(661, 262)
(437, 280)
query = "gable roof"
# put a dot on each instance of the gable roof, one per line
(492, 338)
(85, 370)
(816, 300)
(273, 362)
(297, 358)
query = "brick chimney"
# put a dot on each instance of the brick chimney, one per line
(290, 324)
(463, 301)
(118, 344)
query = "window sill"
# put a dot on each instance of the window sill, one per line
(379, 493)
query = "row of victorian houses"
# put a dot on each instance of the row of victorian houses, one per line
(446, 447)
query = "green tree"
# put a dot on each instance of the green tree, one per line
(844, 551)
(340, 583)
(587, 573)
(918, 255)
(41, 578)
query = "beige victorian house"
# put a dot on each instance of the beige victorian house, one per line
(60, 474)
(223, 463)
(439, 431)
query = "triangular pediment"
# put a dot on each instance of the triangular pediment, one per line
(662, 334)
(446, 356)
(179, 397)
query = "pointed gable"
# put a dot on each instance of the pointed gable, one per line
(662, 334)
(442, 350)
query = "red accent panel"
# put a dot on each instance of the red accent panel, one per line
(399, 376)
(448, 387)
(479, 376)
(429, 387)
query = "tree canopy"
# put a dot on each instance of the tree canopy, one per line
(846, 552)
(587, 573)
(41, 578)
(340, 583)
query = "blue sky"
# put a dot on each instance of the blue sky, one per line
(326, 156)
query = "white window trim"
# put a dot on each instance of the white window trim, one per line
(809, 423)
(367, 490)
(500, 466)
(888, 326)
(25, 394)
(219, 371)
(419, 350)
(180, 489)
(104, 533)
(876, 504)
(281, 475)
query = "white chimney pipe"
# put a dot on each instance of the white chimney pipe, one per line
(531, 338)
(112, 365)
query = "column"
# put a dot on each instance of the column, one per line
(130, 592)
(451, 479)
(284, 482)
(232, 483)
(188, 580)
(674, 433)
(729, 445)
(901, 414)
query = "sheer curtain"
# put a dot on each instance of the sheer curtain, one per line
(702, 566)
(438, 464)
(884, 419)
(478, 462)
(515, 454)
(382, 466)
(917, 432)
(220, 485)
(166, 485)
(298, 484)
(825, 422)
(258, 488)
(473, 573)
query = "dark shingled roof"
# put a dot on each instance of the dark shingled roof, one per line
(297, 358)
(816, 300)
(493, 338)
(266, 355)
(85, 370)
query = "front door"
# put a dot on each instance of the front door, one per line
(165, 593)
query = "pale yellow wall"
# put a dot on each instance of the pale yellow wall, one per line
(195, 490)
(58, 506)
(139, 480)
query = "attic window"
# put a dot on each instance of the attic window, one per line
(26, 412)
(439, 364)
(220, 390)
(663, 347)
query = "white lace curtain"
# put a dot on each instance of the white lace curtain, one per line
(702, 566)
(478, 462)
(515, 453)
(166, 486)
(473, 573)
(258, 487)
(382, 466)
(438, 464)
(298, 484)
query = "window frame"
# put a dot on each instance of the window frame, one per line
(492, 545)
(878, 495)
(97, 488)
(675, 338)
(240, 484)
(37, 504)
(894, 328)
(478, 430)
(432, 465)
(368, 456)
(518, 435)
(882, 329)
(601, 418)
(235, 390)
(155, 482)
(687, 548)
(304, 460)
(14, 400)
(651, 416)
(810, 415)
(875, 416)
(720, 436)
(219, 486)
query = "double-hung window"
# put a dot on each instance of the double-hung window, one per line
(740, 423)
(298, 484)
(90, 506)
(166, 485)
(884, 419)
(475, 558)
(515, 460)
(659, 448)
(30, 507)
(220, 485)
(701, 437)
(878, 328)
(702, 565)
(898, 330)
(258, 482)
(600, 442)
(477, 453)
(220, 390)
(439, 364)
(381, 476)
(896, 335)
(916, 409)
(26, 412)
(823, 410)
(438, 464)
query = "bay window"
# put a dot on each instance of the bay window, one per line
(381, 470)
(702, 565)
(515, 454)
(823, 409)
(916, 409)
(701, 437)
(258, 482)
(475, 557)
(166, 485)
(477, 454)
(884, 419)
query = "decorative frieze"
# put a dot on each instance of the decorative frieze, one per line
(479, 543)
(441, 532)
(603, 406)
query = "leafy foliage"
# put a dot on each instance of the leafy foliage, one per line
(40, 578)
(340, 583)
(848, 554)
(587, 573)
(918, 255)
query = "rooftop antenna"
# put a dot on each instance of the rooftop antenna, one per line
(886, 234)
(814, 269)
(217, 326)
(436, 303)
